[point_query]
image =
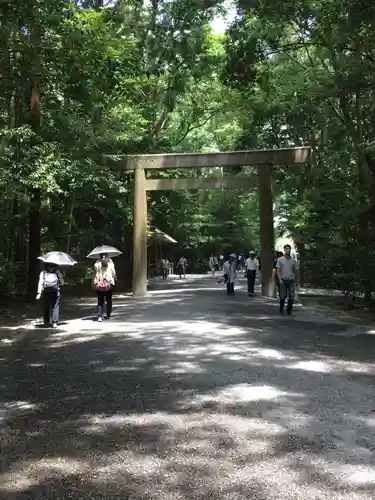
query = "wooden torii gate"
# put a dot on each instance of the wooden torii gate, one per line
(263, 159)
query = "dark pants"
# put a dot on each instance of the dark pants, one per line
(104, 296)
(181, 271)
(250, 275)
(51, 307)
(287, 289)
(230, 287)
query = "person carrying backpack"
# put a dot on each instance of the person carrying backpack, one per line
(50, 282)
(103, 281)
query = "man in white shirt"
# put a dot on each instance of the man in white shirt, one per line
(252, 266)
(287, 269)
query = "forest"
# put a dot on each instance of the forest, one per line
(81, 81)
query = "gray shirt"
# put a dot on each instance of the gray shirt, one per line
(288, 268)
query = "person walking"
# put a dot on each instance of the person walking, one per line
(213, 264)
(286, 268)
(221, 262)
(49, 284)
(164, 268)
(240, 262)
(251, 266)
(103, 281)
(182, 265)
(230, 273)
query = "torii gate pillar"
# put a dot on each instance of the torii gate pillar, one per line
(267, 237)
(140, 234)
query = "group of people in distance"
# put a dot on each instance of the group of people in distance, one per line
(285, 274)
(103, 279)
(231, 267)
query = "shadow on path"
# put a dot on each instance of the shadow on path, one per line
(190, 394)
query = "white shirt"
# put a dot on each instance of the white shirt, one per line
(252, 264)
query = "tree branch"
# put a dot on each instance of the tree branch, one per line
(192, 127)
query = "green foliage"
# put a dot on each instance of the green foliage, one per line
(80, 82)
(305, 70)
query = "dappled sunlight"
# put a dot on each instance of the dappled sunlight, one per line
(240, 394)
(194, 450)
(137, 330)
(350, 475)
(27, 325)
(200, 433)
(313, 366)
(208, 348)
(155, 332)
(181, 367)
(30, 473)
(68, 338)
(108, 369)
(334, 366)
(260, 318)
(366, 421)
(328, 472)
(22, 406)
(12, 409)
(196, 397)
(199, 329)
(204, 328)
(184, 290)
(132, 463)
(208, 453)
(169, 423)
(268, 353)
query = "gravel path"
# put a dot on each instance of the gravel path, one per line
(189, 394)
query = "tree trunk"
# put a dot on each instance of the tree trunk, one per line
(70, 223)
(35, 226)
(18, 243)
(302, 255)
(35, 219)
